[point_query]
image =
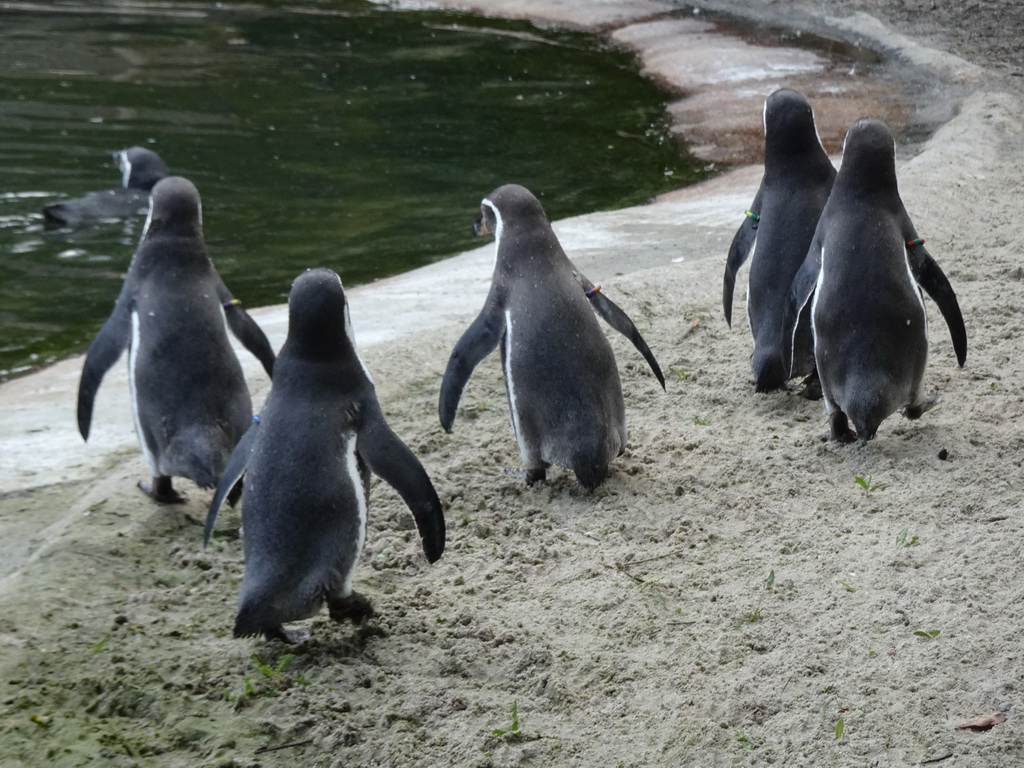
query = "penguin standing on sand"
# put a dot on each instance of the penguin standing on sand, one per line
(563, 386)
(868, 314)
(307, 462)
(189, 397)
(775, 236)
(140, 168)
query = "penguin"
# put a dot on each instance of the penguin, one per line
(140, 168)
(775, 235)
(861, 281)
(563, 387)
(306, 463)
(189, 397)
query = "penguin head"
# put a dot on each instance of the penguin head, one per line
(789, 125)
(318, 317)
(869, 156)
(518, 220)
(174, 209)
(140, 168)
(512, 204)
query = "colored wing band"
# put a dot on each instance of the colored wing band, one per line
(752, 216)
(232, 303)
(592, 291)
(256, 419)
(915, 241)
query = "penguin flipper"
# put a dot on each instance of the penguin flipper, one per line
(739, 252)
(797, 314)
(930, 276)
(392, 461)
(245, 329)
(479, 340)
(619, 320)
(230, 479)
(104, 351)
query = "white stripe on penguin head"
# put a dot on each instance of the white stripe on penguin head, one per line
(351, 336)
(497, 226)
(126, 168)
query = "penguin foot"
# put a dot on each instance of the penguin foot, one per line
(840, 428)
(590, 475)
(160, 490)
(916, 411)
(290, 636)
(355, 608)
(536, 475)
(811, 387)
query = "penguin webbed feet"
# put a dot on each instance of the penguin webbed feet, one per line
(810, 387)
(916, 411)
(536, 475)
(355, 608)
(161, 490)
(289, 636)
(839, 428)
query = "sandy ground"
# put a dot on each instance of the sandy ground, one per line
(730, 596)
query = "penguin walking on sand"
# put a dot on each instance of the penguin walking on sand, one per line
(306, 463)
(563, 386)
(189, 397)
(775, 236)
(863, 270)
(140, 168)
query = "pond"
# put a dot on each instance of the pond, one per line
(360, 138)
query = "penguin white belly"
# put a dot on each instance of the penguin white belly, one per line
(133, 356)
(753, 255)
(510, 385)
(352, 468)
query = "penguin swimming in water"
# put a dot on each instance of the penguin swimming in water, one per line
(140, 168)
(863, 270)
(189, 398)
(563, 386)
(775, 236)
(307, 463)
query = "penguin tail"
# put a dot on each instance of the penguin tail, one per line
(199, 455)
(770, 372)
(867, 409)
(590, 473)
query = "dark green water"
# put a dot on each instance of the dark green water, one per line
(361, 139)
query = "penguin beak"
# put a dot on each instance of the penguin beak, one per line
(480, 227)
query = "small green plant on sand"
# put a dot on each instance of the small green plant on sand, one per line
(903, 540)
(750, 617)
(868, 485)
(745, 744)
(679, 373)
(769, 583)
(514, 729)
(270, 679)
(930, 634)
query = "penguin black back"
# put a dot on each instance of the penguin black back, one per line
(868, 314)
(306, 465)
(562, 383)
(775, 236)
